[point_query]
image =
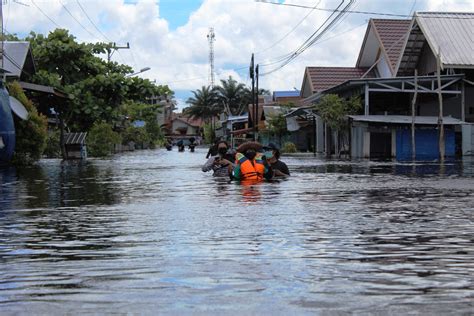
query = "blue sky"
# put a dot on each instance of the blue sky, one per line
(176, 12)
(169, 36)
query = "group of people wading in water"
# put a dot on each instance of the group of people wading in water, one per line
(251, 162)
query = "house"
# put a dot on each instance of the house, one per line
(18, 62)
(185, 127)
(391, 52)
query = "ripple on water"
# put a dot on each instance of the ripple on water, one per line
(147, 231)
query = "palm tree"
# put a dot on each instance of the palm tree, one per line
(204, 104)
(231, 95)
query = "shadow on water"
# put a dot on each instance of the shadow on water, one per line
(54, 183)
(149, 231)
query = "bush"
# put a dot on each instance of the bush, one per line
(138, 135)
(289, 148)
(53, 148)
(31, 134)
(101, 140)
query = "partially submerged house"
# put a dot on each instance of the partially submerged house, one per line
(391, 52)
(184, 127)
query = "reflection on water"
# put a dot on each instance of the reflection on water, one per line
(148, 231)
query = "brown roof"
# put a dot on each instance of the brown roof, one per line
(392, 32)
(195, 122)
(323, 78)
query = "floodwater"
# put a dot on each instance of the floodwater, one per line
(148, 232)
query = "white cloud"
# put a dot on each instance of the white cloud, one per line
(180, 57)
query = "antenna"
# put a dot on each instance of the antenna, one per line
(211, 37)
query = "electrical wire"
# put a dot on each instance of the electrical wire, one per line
(291, 31)
(47, 16)
(75, 19)
(328, 24)
(359, 12)
(92, 22)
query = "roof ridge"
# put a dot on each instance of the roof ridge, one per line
(445, 12)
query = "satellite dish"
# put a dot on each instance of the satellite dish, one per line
(18, 108)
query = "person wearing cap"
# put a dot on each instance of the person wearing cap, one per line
(272, 154)
(220, 163)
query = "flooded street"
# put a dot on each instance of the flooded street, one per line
(148, 232)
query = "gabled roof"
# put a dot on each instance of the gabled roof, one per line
(390, 34)
(450, 34)
(17, 58)
(194, 122)
(322, 78)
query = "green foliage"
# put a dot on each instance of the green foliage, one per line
(234, 95)
(289, 147)
(209, 134)
(138, 135)
(154, 132)
(97, 88)
(277, 125)
(31, 134)
(101, 140)
(204, 104)
(333, 110)
(53, 149)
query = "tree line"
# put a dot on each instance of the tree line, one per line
(99, 91)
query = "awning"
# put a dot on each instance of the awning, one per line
(43, 89)
(242, 131)
(405, 119)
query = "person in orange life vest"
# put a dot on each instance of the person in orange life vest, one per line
(250, 165)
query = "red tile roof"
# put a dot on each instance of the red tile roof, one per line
(323, 78)
(196, 122)
(392, 32)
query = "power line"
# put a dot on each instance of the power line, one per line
(291, 31)
(316, 35)
(362, 12)
(92, 22)
(78, 22)
(47, 16)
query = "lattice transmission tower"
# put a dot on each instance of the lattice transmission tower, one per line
(211, 37)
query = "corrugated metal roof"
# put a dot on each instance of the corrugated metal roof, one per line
(405, 119)
(453, 33)
(74, 138)
(285, 94)
(15, 57)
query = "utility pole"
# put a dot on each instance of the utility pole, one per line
(211, 37)
(413, 115)
(440, 117)
(3, 38)
(252, 76)
(113, 48)
(257, 118)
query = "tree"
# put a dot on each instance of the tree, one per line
(232, 95)
(277, 126)
(334, 110)
(97, 88)
(31, 134)
(203, 104)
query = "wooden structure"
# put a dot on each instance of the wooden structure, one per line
(75, 145)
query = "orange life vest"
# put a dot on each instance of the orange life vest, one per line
(251, 170)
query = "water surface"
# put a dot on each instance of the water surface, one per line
(148, 232)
